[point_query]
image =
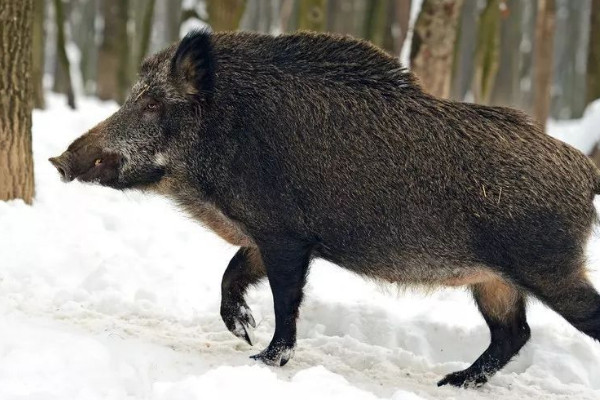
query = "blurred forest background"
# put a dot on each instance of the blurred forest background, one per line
(541, 56)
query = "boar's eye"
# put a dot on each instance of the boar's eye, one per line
(152, 105)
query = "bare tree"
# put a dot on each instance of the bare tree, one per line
(84, 35)
(62, 80)
(37, 69)
(464, 51)
(16, 161)
(346, 16)
(570, 54)
(312, 15)
(433, 41)
(593, 59)
(544, 40)
(507, 85)
(143, 27)
(113, 56)
(225, 15)
(487, 51)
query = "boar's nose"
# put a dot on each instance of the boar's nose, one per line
(63, 167)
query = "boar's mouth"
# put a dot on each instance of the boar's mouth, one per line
(89, 166)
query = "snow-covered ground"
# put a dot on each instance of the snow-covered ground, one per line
(109, 295)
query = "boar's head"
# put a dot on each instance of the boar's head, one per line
(132, 147)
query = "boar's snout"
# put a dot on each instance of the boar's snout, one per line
(62, 166)
(88, 164)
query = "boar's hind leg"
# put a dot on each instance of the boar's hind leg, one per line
(503, 308)
(245, 269)
(286, 267)
(574, 298)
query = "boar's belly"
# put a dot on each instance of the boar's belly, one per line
(212, 218)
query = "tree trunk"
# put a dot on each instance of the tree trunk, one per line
(225, 15)
(16, 161)
(570, 54)
(375, 22)
(113, 56)
(312, 15)
(143, 29)
(507, 86)
(84, 34)
(63, 82)
(595, 156)
(464, 51)
(433, 41)
(37, 69)
(346, 17)
(593, 59)
(544, 41)
(402, 15)
(487, 52)
(174, 14)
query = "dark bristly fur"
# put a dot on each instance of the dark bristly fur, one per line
(310, 145)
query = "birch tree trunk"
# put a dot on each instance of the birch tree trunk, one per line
(16, 161)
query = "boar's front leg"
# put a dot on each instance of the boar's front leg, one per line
(245, 269)
(286, 268)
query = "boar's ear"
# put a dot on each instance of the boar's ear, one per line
(193, 64)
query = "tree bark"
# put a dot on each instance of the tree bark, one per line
(544, 41)
(37, 72)
(570, 54)
(225, 15)
(84, 34)
(375, 22)
(433, 42)
(144, 29)
(595, 156)
(507, 86)
(487, 52)
(16, 161)
(593, 60)
(463, 65)
(346, 17)
(312, 15)
(64, 83)
(113, 56)
(402, 15)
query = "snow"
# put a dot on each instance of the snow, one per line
(582, 133)
(110, 295)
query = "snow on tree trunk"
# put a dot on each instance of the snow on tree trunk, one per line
(16, 161)
(433, 41)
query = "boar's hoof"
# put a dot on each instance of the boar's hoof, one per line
(275, 355)
(464, 379)
(239, 320)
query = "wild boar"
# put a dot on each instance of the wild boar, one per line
(307, 146)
